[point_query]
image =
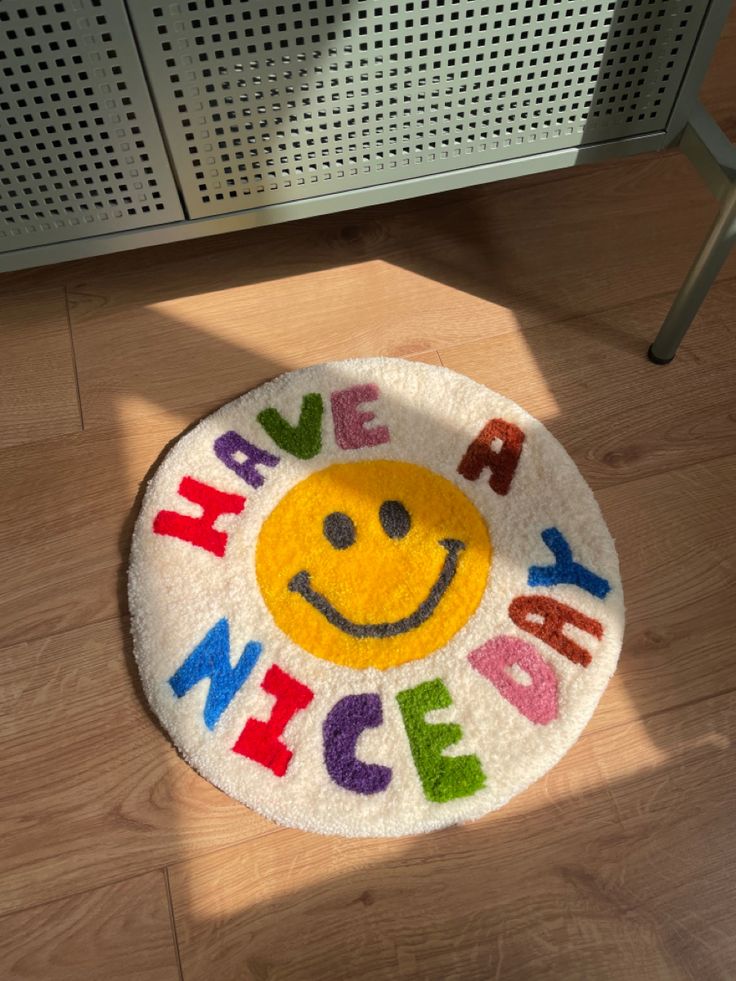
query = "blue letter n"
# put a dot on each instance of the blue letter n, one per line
(211, 659)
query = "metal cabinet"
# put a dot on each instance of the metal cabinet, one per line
(130, 124)
(81, 154)
(270, 102)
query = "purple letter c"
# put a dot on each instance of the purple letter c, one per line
(341, 729)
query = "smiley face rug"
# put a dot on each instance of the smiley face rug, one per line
(373, 598)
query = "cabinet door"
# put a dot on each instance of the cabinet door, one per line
(267, 101)
(80, 150)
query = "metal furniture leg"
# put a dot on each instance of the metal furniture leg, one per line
(699, 279)
(714, 157)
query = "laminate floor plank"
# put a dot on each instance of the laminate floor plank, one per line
(38, 388)
(119, 932)
(676, 540)
(464, 266)
(91, 791)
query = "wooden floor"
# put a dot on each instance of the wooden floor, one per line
(118, 861)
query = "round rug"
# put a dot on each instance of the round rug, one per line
(373, 597)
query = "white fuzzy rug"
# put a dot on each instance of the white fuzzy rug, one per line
(373, 598)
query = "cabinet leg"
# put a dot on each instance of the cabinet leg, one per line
(699, 279)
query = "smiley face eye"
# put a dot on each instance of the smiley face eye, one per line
(395, 519)
(339, 530)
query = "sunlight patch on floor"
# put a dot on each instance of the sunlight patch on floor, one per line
(355, 310)
(145, 431)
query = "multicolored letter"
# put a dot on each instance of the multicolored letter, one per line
(350, 423)
(527, 611)
(200, 531)
(303, 440)
(443, 778)
(260, 741)
(231, 445)
(537, 700)
(501, 460)
(211, 659)
(565, 569)
(341, 730)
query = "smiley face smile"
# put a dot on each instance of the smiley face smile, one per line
(300, 583)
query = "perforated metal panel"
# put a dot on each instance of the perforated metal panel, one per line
(80, 152)
(268, 101)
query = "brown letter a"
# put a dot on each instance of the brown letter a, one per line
(502, 462)
(546, 618)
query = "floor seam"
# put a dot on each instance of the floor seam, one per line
(172, 919)
(74, 356)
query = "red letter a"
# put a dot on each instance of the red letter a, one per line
(200, 531)
(502, 462)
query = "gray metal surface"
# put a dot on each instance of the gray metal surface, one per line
(326, 204)
(268, 101)
(80, 151)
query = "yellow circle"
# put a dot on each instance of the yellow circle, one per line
(373, 564)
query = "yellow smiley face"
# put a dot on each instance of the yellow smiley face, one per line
(373, 564)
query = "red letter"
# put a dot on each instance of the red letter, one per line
(200, 531)
(502, 462)
(554, 616)
(260, 741)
